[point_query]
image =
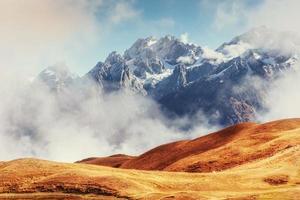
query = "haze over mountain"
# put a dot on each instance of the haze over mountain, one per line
(228, 85)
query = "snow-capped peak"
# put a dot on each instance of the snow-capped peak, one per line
(60, 71)
(168, 50)
(114, 57)
(57, 76)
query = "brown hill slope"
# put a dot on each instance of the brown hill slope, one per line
(262, 162)
(110, 161)
(221, 150)
(275, 177)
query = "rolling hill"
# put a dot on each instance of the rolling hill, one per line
(221, 150)
(245, 161)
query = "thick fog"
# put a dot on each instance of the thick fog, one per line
(75, 123)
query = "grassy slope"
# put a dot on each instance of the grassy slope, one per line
(221, 150)
(273, 177)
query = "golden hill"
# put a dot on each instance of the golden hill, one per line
(221, 150)
(251, 161)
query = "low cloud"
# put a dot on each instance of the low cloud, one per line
(283, 97)
(185, 60)
(77, 123)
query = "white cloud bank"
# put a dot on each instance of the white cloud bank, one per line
(77, 124)
(283, 99)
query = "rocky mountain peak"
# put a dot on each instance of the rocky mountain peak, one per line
(168, 48)
(56, 76)
(214, 82)
(114, 58)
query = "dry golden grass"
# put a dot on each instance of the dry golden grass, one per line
(230, 147)
(275, 175)
(110, 161)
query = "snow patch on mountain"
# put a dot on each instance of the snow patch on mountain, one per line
(185, 78)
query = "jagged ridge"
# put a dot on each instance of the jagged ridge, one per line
(186, 78)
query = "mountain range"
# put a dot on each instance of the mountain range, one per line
(228, 85)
